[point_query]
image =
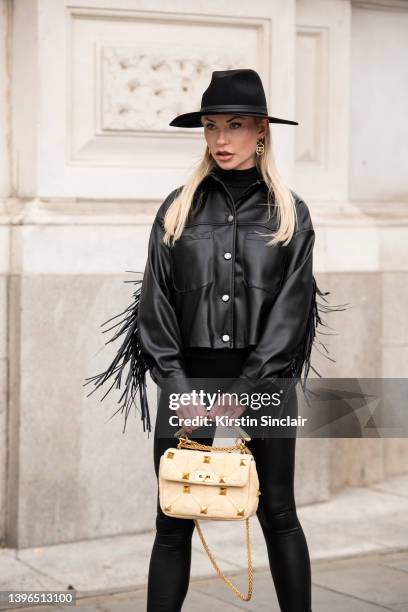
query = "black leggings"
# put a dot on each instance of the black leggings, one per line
(169, 570)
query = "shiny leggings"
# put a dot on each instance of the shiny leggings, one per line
(169, 569)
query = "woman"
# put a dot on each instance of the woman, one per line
(228, 292)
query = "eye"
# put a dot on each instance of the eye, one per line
(237, 123)
(209, 125)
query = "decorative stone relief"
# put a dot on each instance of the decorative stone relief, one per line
(146, 89)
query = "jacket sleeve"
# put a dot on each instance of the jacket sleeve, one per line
(285, 342)
(158, 328)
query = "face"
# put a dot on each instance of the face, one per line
(235, 135)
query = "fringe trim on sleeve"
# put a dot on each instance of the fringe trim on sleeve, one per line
(302, 360)
(129, 354)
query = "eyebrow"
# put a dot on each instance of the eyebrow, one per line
(228, 121)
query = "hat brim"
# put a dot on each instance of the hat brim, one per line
(193, 120)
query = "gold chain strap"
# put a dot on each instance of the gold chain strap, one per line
(221, 574)
(185, 442)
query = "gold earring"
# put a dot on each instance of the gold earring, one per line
(260, 148)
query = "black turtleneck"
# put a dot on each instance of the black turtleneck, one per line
(238, 181)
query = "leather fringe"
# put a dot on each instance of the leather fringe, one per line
(129, 354)
(302, 361)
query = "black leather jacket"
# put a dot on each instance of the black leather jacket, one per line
(221, 286)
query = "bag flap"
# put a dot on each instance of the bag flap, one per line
(210, 468)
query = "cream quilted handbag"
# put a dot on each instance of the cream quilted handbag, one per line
(212, 483)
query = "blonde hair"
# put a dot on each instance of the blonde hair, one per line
(282, 198)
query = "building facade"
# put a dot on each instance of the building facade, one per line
(87, 89)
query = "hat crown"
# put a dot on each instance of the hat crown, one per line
(235, 87)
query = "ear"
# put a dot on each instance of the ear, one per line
(263, 127)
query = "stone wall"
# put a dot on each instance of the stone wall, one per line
(87, 91)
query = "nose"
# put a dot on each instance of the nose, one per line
(221, 137)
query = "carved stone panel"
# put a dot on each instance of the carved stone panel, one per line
(145, 90)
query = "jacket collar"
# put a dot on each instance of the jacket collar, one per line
(212, 180)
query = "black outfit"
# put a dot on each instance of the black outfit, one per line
(169, 569)
(220, 302)
(222, 286)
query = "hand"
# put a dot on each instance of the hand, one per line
(227, 407)
(190, 410)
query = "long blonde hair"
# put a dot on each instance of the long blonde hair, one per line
(176, 215)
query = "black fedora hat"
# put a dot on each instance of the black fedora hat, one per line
(238, 92)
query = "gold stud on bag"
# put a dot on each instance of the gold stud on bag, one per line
(221, 485)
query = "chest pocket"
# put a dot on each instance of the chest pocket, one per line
(192, 260)
(263, 265)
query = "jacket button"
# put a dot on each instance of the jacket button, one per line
(227, 255)
(230, 218)
(225, 338)
(225, 298)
